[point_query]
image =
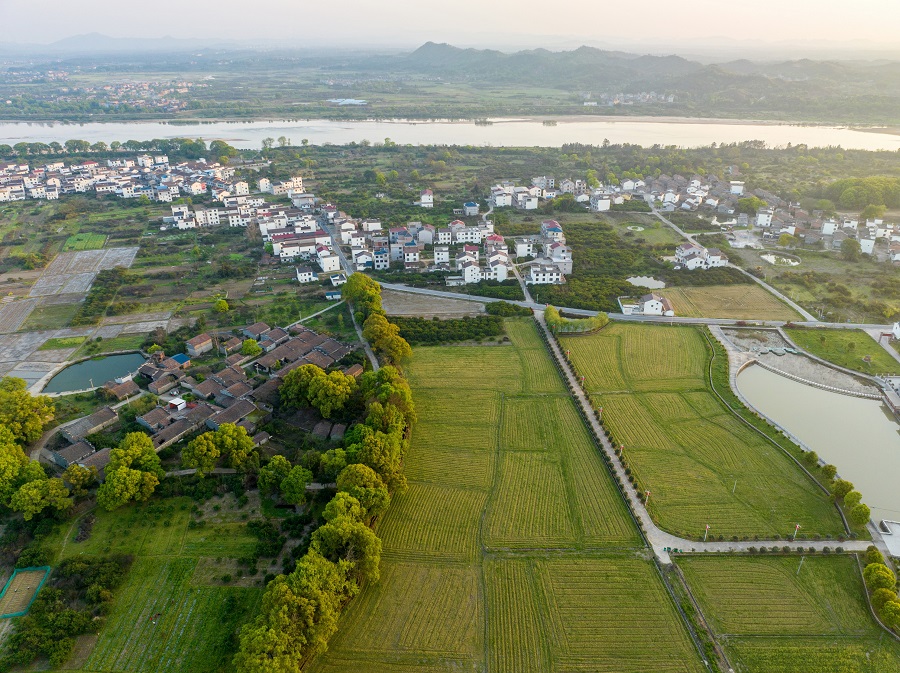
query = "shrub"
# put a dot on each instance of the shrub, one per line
(879, 576)
(873, 555)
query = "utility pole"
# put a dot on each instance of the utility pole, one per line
(801, 564)
(734, 488)
(706, 532)
(796, 528)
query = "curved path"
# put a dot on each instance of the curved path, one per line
(661, 541)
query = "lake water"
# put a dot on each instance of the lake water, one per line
(501, 133)
(859, 436)
(646, 281)
(80, 376)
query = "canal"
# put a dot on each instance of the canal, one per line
(859, 436)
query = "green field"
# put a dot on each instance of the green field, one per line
(62, 343)
(770, 618)
(700, 463)
(512, 549)
(197, 612)
(84, 242)
(846, 348)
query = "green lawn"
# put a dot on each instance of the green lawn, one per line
(773, 615)
(128, 342)
(685, 446)
(512, 549)
(846, 348)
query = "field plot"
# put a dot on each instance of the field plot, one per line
(770, 617)
(846, 348)
(73, 272)
(181, 637)
(84, 242)
(15, 313)
(500, 476)
(20, 590)
(702, 465)
(738, 302)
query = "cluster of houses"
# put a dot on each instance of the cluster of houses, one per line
(193, 402)
(552, 258)
(145, 175)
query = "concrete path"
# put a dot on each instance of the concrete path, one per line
(313, 315)
(661, 541)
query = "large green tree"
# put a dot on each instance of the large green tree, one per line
(293, 486)
(21, 413)
(36, 496)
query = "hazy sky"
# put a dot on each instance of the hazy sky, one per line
(406, 23)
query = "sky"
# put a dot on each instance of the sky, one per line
(690, 26)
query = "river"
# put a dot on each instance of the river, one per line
(93, 373)
(527, 132)
(859, 436)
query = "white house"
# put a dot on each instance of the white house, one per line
(764, 217)
(363, 259)
(470, 209)
(524, 247)
(381, 259)
(654, 304)
(441, 254)
(829, 227)
(305, 274)
(600, 203)
(867, 245)
(551, 229)
(737, 187)
(543, 274)
(426, 199)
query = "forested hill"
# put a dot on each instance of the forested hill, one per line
(586, 65)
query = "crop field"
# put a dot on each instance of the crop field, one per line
(84, 242)
(62, 343)
(160, 623)
(195, 613)
(14, 314)
(738, 302)
(506, 490)
(591, 614)
(772, 614)
(702, 465)
(847, 348)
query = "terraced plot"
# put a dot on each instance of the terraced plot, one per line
(504, 477)
(770, 617)
(701, 464)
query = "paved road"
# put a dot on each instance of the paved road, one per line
(348, 268)
(678, 320)
(659, 540)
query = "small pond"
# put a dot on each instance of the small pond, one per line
(646, 281)
(94, 373)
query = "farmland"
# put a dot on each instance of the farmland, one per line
(739, 302)
(700, 463)
(773, 615)
(511, 550)
(846, 348)
(196, 611)
(84, 242)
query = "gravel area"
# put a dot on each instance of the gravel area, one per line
(754, 339)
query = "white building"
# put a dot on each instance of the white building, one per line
(737, 187)
(305, 274)
(426, 199)
(654, 304)
(764, 217)
(543, 274)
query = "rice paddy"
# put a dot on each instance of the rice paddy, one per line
(511, 523)
(774, 614)
(701, 464)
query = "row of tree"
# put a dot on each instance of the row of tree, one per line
(882, 584)
(300, 610)
(175, 148)
(364, 294)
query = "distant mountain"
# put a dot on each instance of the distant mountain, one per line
(585, 66)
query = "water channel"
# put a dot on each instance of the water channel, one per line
(859, 436)
(93, 373)
(526, 132)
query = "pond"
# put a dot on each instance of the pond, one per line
(93, 373)
(646, 281)
(859, 436)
